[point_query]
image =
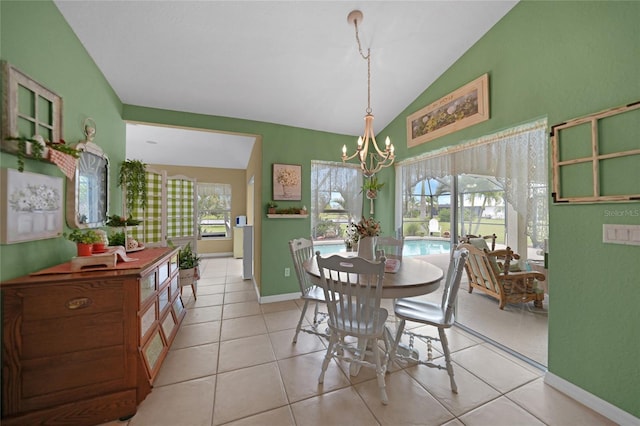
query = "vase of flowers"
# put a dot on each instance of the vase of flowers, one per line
(368, 231)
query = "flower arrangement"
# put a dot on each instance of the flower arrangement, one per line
(351, 235)
(35, 198)
(287, 177)
(368, 227)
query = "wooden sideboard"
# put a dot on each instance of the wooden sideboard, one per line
(84, 348)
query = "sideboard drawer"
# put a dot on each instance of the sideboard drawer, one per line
(81, 298)
(53, 337)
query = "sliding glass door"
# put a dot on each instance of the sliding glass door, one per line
(495, 185)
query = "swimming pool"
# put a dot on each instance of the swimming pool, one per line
(418, 247)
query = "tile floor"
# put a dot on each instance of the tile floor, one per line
(233, 363)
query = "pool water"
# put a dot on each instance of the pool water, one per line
(411, 247)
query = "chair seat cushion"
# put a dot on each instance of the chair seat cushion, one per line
(420, 311)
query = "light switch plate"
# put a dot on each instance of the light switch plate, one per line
(621, 234)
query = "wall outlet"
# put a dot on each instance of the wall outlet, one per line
(287, 272)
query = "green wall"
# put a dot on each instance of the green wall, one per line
(563, 60)
(36, 39)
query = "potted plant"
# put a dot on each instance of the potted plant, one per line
(84, 240)
(188, 263)
(371, 187)
(271, 207)
(133, 178)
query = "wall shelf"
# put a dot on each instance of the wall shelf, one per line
(287, 216)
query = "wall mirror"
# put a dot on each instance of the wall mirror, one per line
(88, 192)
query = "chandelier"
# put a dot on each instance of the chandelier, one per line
(377, 158)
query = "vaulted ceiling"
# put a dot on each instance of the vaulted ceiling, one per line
(287, 62)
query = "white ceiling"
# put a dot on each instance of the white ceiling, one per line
(287, 62)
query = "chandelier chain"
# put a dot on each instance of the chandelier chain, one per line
(378, 158)
(368, 59)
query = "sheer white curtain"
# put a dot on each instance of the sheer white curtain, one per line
(336, 194)
(517, 157)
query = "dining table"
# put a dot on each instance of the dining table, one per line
(410, 277)
(413, 277)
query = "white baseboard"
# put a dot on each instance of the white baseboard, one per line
(597, 404)
(279, 297)
(229, 254)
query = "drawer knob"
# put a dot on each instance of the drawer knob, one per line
(78, 303)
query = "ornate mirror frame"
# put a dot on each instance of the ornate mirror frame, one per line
(88, 191)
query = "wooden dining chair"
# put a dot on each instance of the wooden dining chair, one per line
(439, 315)
(301, 250)
(353, 289)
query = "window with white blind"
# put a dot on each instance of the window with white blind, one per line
(336, 198)
(214, 210)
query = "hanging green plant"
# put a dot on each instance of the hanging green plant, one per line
(36, 150)
(133, 178)
(371, 187)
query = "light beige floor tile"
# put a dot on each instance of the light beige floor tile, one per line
(187, 403)
(210, 289)
(300, 376)
(248, 391)
(472, 392)
(235, 278)
(245, 352)
(240, 296)
(454, 422)
(286, 305)
(197, 334)
(341, 407)
(242, 309)
(538, 372)
(409, 403)
(554, 407)
(495, 369)
(282, 342)
(282, 320)
(197, 315)
(206, 300)
(238, 286)
(206, 281)
(500, 412)
(236, 328)
(279, 417)
(189, 363)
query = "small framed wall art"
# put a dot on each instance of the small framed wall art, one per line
(461, 108)
(287, 182)
(32, 206)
